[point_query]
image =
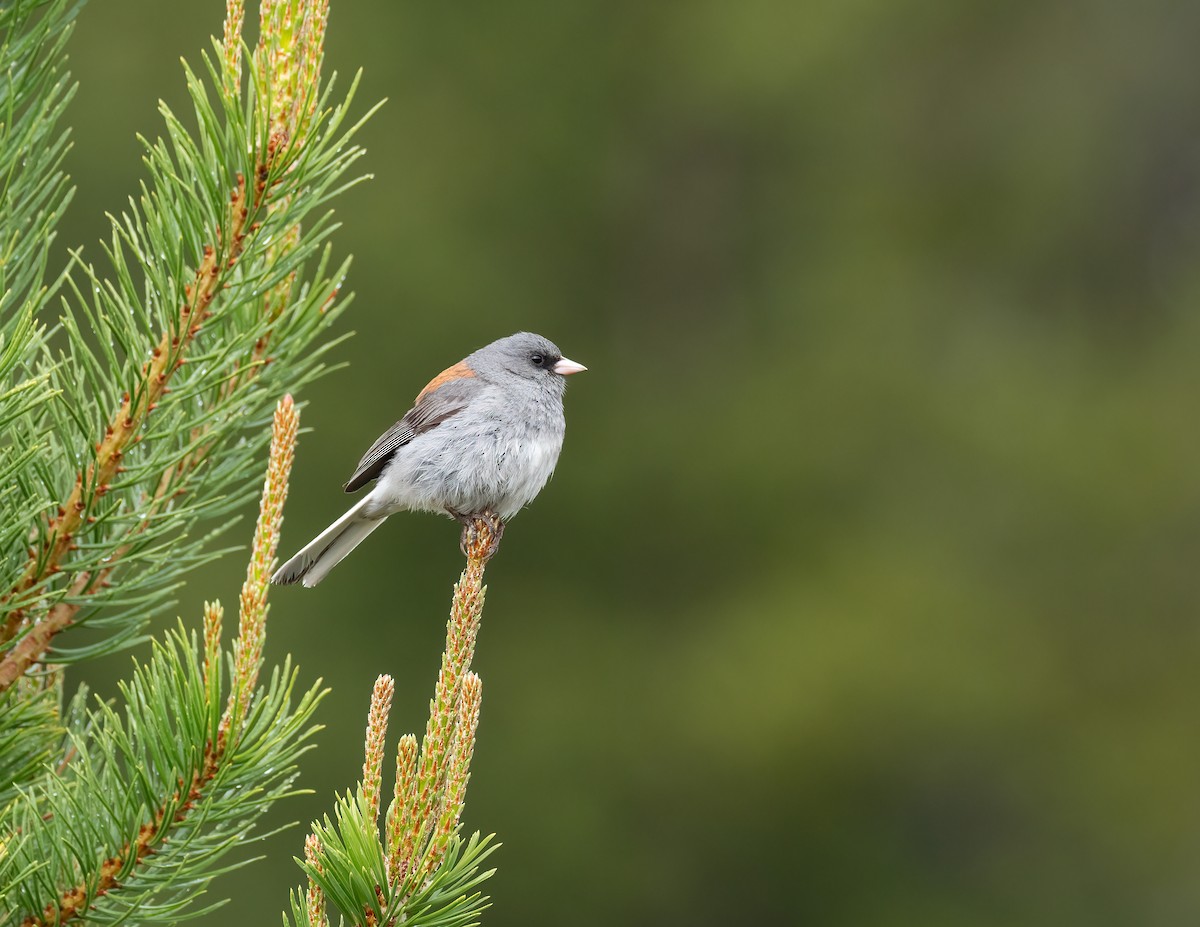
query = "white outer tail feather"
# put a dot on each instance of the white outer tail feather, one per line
(313, 563)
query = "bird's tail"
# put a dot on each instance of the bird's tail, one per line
(327, 550)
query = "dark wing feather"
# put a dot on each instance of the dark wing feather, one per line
(431, 410)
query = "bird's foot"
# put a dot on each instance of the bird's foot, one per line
(481, 535)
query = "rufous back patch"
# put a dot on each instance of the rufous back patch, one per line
(458, 372)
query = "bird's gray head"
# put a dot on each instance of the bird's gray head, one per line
(525, 355)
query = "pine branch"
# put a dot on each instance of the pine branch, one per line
(416, 869)
(142, 816)
(219, 290)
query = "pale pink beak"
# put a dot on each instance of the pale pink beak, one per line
(564, 368)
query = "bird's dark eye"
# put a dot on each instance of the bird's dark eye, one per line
(539, 360)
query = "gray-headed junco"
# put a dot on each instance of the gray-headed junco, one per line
(481, 440)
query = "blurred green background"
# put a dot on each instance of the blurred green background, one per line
(866, 591)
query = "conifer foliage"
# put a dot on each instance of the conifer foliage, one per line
(137, 397)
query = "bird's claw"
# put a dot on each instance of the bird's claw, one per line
(481, 535)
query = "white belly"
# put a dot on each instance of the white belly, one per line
(451, 469)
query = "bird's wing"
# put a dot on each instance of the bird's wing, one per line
(432, 407)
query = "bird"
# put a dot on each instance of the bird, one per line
(480, 441)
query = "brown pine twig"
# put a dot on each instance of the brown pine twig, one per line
(403, 801)
(314, 897)
(252, 615)
(123, 430)
(377, 719)
(419, 813)
(458, 767)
